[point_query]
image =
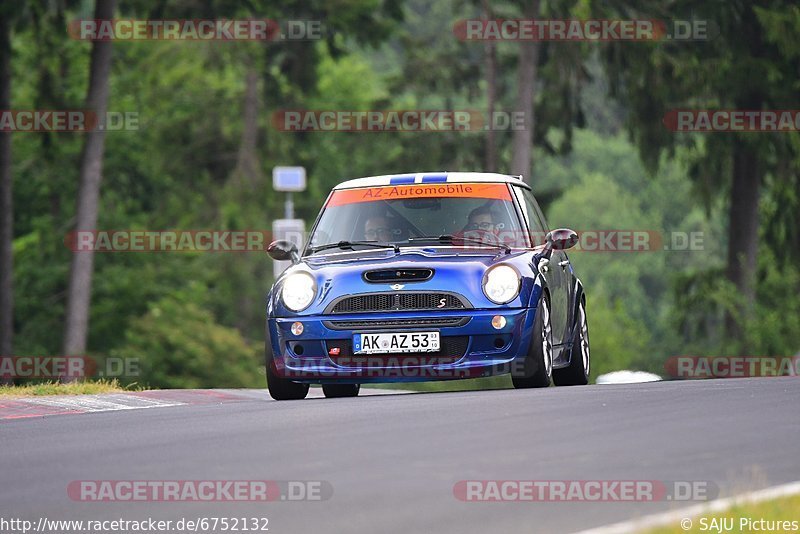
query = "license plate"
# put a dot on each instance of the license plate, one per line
(386, 343)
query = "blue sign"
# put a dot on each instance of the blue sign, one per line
(289, 178)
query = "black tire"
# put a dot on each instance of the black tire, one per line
(577, 373)
(337, 391)
(537, 369)
(280, 388)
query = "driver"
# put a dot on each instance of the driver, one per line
(378, 228)
(481, 225)
(482, 219)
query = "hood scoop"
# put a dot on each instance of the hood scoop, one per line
(398, 275)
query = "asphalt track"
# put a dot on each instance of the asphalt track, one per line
(393, 460)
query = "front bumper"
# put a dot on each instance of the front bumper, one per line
(470, 346)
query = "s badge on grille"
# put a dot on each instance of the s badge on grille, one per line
(397, 287)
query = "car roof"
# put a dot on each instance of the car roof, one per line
(431, 178)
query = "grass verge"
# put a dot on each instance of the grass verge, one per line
(72, 388)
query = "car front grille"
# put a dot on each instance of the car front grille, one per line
(367, 324)
(376, 302)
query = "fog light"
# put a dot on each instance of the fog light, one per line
(297, 328)
(498, 322)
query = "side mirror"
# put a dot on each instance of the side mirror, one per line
(561, 239)
(283, 250)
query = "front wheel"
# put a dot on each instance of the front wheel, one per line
(577, 373)
(336, 391)
(537, 368)
(280, 388)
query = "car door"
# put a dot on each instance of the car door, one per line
(557, 277)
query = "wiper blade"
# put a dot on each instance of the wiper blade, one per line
(450, 238)
(349, 245)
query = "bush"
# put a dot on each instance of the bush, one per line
(178, 345)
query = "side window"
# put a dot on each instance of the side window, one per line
(533, 215)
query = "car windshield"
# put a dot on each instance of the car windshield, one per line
(482, 214)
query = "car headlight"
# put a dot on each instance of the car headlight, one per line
(501, 284)
(298, 291)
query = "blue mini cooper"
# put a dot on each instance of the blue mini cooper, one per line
(429, 276)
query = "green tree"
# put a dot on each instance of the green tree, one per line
(76, 325)
(745, 65)
(6, 194)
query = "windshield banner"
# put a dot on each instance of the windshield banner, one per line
(394, 192)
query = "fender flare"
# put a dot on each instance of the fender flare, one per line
(539, 286)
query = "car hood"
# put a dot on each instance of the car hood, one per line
(455, 269)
